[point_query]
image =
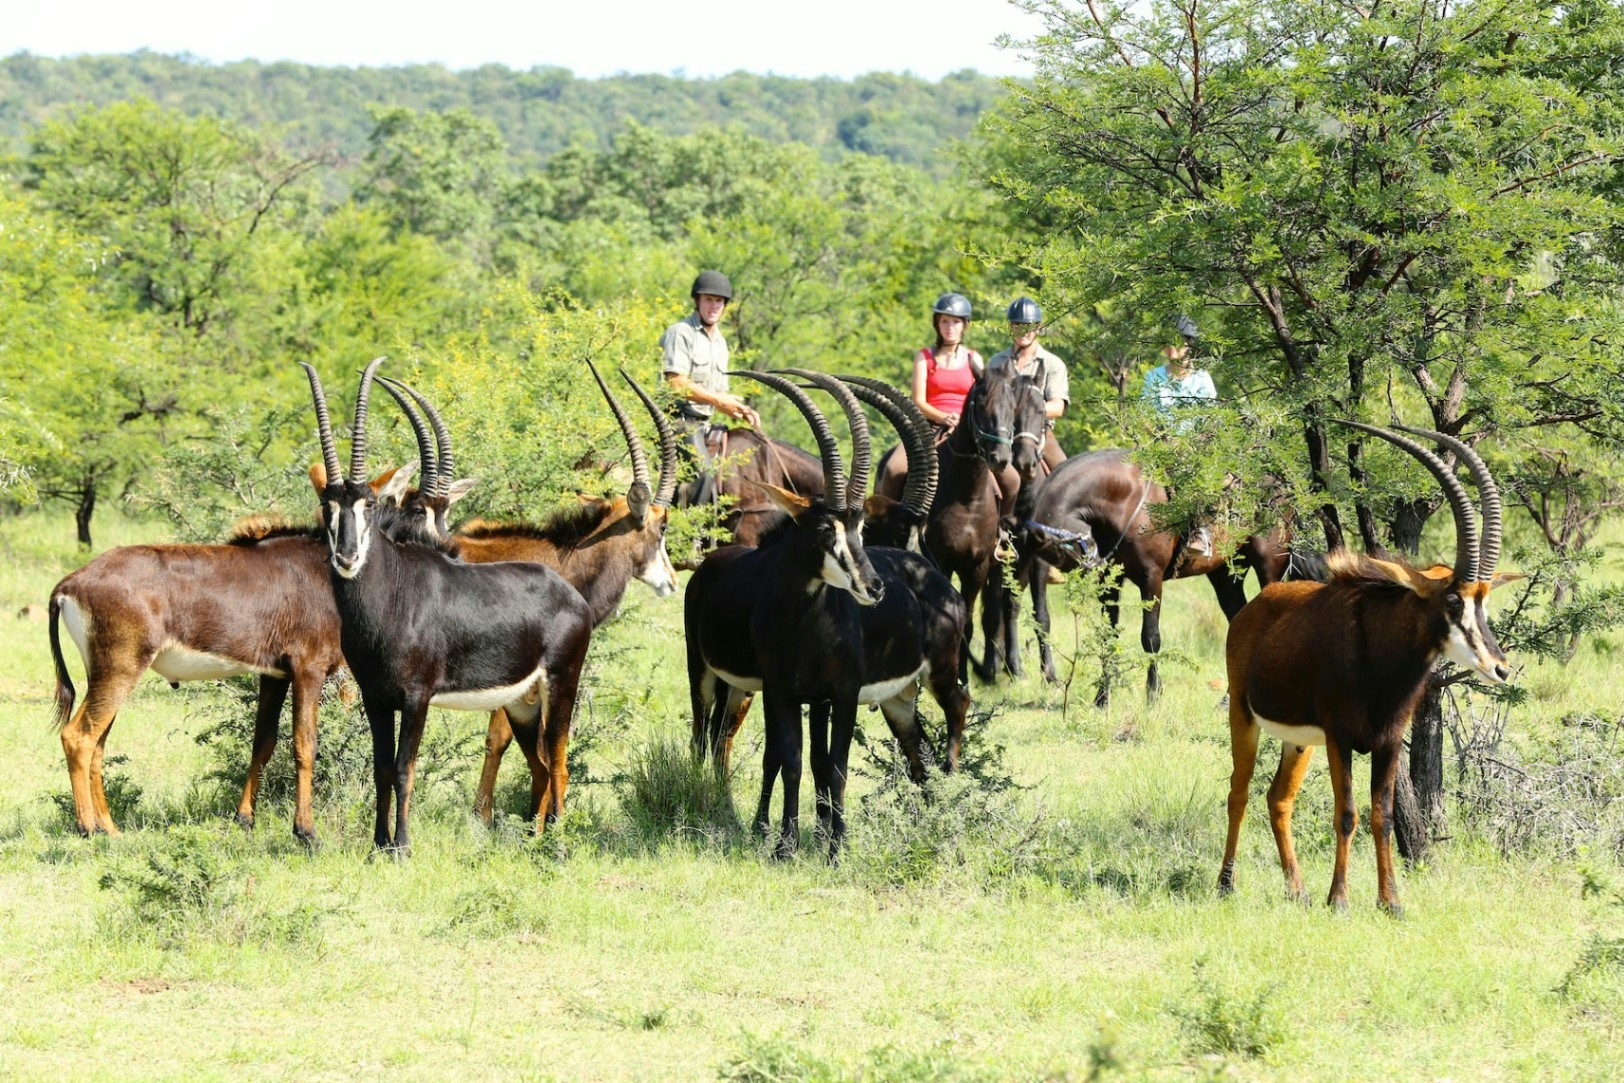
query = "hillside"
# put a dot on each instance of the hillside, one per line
(539, 112)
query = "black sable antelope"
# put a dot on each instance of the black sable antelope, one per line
(419, 629)
(599, 548)
(1101, 502)
(199, 613)
(899, 647)
(802, 642)
(1344, 663)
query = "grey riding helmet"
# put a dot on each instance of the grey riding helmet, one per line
(1025, 310)
(1185, 326)
(714, 283)
(952, 304)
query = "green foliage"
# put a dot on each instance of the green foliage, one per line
(434, 174)
(539, 113)
(1596, 979)
(1225, 1021)
(123, 793)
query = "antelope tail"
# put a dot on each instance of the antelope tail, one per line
(65, 694)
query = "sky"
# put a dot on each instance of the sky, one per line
(592, 38)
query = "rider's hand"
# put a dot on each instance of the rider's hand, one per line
(950, 420)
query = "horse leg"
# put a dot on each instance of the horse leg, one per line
(1038, 583)
(1112, 599)
(1010, 597)
(1150, 635)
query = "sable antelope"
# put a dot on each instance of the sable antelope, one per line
(804, 635)
(420, 628)
(598, 547)
(201, 612)
(895, 644)
(1101, 500)
(1344, 663)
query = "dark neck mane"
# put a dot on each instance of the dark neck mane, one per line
(566, 528)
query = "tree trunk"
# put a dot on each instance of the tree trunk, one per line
(86, 508)
(1418, 807)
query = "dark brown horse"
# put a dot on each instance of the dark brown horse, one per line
(1100, 503)
(746, 460)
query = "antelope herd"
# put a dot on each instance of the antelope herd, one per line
(827, 598)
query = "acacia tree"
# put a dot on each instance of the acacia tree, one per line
(1396, 208)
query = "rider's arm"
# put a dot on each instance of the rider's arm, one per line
(729, 404)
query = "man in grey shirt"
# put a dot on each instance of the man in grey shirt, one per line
(695, 366)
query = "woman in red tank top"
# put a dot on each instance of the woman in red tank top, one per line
(943, 374)
(942, 377)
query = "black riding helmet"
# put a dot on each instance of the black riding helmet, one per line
(1025, 310)
(952, 304)
(714, 283)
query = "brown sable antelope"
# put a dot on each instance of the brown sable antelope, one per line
(258, 604)
(1343, 664)
(421, 628)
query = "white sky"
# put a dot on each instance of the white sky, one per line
(592, 38)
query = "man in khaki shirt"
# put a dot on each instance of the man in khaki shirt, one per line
(695, 366)
(1027, 358)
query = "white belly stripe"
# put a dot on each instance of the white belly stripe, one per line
(177, 662)
(1302, 736)
(884, 690)
(525, 694)
(743, 684)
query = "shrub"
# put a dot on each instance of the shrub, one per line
(1221, 1021)
(123, 795)
(665, 791)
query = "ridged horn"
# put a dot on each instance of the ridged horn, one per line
(324, 424)
(668, 446)
(1466, 537)
(1488, 554)
(442, 439)
(862, 456)
(834, 482)
(358, 437)
(428, 469)
(633, 442)
(919, 491)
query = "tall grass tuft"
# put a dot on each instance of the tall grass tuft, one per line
(1221, 1021)
(665, 791)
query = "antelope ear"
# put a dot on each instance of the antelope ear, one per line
(394, 484)
(459, 489)
(318, 476)
(637, 501)
(791, 504)
(1502, 578)
(1421, 582)
(876, 505)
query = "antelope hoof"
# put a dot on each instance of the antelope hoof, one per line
(305, 835)
(1394, 910)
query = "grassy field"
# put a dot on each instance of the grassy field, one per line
(1050, 915)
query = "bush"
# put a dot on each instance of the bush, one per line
(1221, 1021)
(666, 791)
(123, 795)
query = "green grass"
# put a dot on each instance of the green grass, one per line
(1050, 914)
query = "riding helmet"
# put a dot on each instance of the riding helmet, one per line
(714, 283)
(952, 304)
(1025, 310)
(1185, 326)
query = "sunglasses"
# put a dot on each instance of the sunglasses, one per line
(1024, 328)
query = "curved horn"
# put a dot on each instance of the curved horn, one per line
(1488, 554)
(633, 442)
(834, 483)
(919, 491)
(1466, 538)
(324, 424)
(861, 454)
(358, 437)
(668, 446)
(442, 441)
(427, 468)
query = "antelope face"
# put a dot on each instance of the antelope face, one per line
(1470, 643)
(845, 563)
(659, 573)
(347, 510)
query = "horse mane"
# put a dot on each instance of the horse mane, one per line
(568, 526)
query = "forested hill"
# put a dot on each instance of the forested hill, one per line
(540, 111)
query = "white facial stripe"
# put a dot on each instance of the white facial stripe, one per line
(659, 572)
(363, 542)
(1465, 645)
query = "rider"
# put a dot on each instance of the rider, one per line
(695, 367)
(1027, 358)
(942, 377)
(1175, 387)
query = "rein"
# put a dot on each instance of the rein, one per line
(1085, 542)
(1123, 533)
